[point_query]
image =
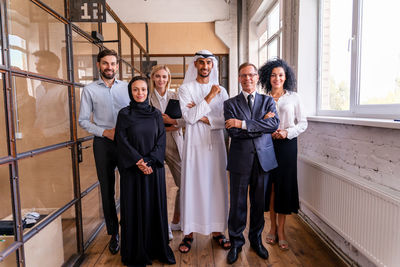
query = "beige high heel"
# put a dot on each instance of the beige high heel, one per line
(283, 245)
(271, 239)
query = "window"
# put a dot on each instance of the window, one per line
(359, 59)
(270, 41)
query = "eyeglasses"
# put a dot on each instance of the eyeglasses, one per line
(249, 75)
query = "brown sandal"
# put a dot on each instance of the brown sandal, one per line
(187, 243)
(222, 241)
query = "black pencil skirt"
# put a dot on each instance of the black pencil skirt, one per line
(284, 178)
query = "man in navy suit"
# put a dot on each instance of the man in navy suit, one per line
(250, 118)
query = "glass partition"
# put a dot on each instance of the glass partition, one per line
(87, 27)
(3, 129)
(136, 57)
(41, 113)
(125, 47)
(87, 167)
(69, 234)
(56, 5)
(92, 213)
(51, 246)
(5, 195)
(37, 40)
(41, 118)
(126, 72)
(11, 260)
(46, 180)
(110, 32)
(85, 58)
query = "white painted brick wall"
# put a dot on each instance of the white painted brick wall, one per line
(369, 152)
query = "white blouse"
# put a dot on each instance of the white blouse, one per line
(291, 114)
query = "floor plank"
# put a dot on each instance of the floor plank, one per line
(306, 249)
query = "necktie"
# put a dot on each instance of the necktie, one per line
(249, 102)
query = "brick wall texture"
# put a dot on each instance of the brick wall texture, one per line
(369, 152)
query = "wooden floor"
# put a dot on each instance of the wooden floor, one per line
(306, 249)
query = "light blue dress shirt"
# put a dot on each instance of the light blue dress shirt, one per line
(104, 103)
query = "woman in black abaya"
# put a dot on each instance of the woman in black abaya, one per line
(140, 138)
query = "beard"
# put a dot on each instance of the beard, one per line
(204, 76)
(108, 76)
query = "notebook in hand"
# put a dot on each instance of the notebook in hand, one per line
(173, 110)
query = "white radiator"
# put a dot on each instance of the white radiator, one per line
(365, 214)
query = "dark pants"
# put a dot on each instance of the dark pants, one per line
(257, 179)
(105, 156)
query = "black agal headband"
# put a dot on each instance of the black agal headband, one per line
(204, 55)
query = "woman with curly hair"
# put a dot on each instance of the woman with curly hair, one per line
(282, 197)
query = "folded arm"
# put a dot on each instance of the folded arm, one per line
(253, 127)
(192, 114)
(216, 118)
(234, 125)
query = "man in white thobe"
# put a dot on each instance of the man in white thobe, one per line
(204, 195)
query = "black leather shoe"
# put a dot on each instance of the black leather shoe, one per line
(113, 246)
(233, 254)
(260, 250)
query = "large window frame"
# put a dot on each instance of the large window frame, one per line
(356, 109)
(263, 28)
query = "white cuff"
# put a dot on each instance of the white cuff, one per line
(244, 126)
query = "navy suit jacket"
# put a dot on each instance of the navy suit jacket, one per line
(256, 138)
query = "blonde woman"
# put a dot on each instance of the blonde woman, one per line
(159, 96)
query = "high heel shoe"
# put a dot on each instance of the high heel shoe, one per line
(271, 239)
(283, 245)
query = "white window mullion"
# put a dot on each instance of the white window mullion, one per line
(355, 46)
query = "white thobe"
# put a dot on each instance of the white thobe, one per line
(204, 187)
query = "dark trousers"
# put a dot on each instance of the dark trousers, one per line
(257, 179)
(105, 156)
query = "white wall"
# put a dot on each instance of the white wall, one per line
(226, 30)
(307, 84)
(135, 11)
(370, 153)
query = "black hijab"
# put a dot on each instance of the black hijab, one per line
(140, 108)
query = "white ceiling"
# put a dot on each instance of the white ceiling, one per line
(131, 11)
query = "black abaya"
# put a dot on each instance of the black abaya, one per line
(140, 133)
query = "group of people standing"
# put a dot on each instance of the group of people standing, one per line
(132, 131)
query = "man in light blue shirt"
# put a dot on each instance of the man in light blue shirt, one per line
(104, 98)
